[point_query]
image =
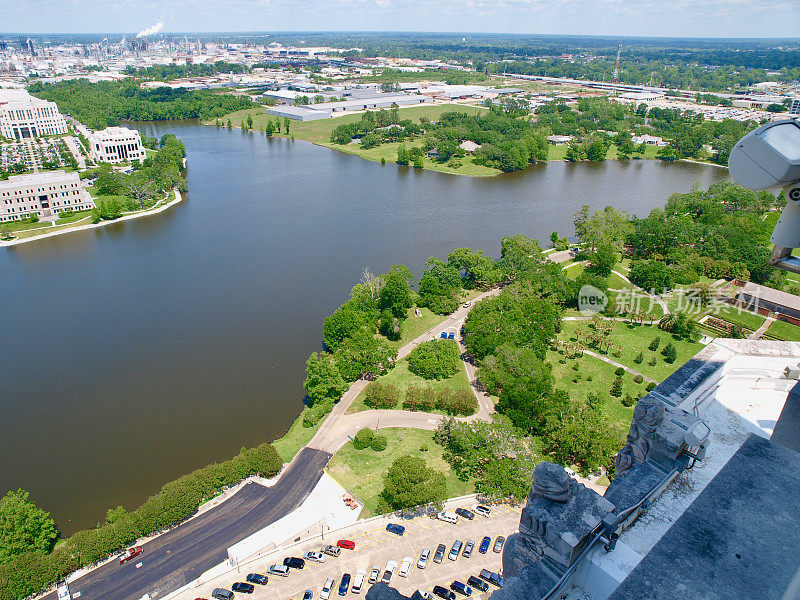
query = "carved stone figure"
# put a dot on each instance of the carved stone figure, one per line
(647, 416)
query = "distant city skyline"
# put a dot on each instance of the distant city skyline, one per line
(650, 18)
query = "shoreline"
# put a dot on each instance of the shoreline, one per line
(178, 198)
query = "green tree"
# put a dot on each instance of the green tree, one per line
(364, 353)
(286, 123)
(116, 514)
(323, 380)
(409, 482)
(581, 436)
(270, 128)
(616, 387)
(435, 359)
(596, 150)
(396, 295)
(363, 438)
(402, 155)
(670, 353)
(24, 527)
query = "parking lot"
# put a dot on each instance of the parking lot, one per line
(374, 548)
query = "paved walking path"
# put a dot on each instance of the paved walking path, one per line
(756, 335)
(616, 364)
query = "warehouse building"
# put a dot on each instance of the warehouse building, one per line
(323, 110)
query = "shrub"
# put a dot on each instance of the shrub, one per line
(653, 360)
(363, 438)
(670, 353)
(650, 386)
(315, 414)
(639, 358)
(457, 402)
(638, 378)
(619, 372)
(379, 443)
(420, 398)
(423, 448)
(616, 388)
(628, 400)
(436, 359)
(381, 395)
(655, 343)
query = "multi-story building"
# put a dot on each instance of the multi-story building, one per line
(24, 116)
(43, 194)
(117, 144)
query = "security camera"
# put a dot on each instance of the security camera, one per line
(769, 157)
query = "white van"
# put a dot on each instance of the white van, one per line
(358, 581)
(448, 517)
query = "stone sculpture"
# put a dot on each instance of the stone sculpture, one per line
(647, 416)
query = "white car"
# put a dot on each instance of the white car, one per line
(482, 510)
(387, 574)
(374, 574)
(279, 570)
(406, 566)
(467, 304)
(358, 581)
(447, 517)
(315, 556)
(423, 559)
(326, 589)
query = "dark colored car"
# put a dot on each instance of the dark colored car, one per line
(346, 544)
(443, 592)
(493, 578)
(222, 594)
(308, 595)
(439, 555)
(395, 528)
(294, 562)
(484, 548)
(344, 585)
(461, 588)
(257, 578)
(478, 584)
(467, 514)
(245, 588)
(498, 544)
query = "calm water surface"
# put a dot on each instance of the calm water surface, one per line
(137, 352)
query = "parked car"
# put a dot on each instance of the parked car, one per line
(344, 584)
(130, 553)
(257, 578)
(395, 528)
(222, 594)
(294, 562)
(451, 335)
(443, 593)
(454, 551)
(315, 556)
(491, 577)
(346, 544)
(478, 584)
(461, 588)
(483, 511)
(332, 550)
(440, 550)
(423, 559)
(405, 567)
(447, 517)
(467, 514)
(308, 595)
(374, 574)
(279, 570)
(326, 589)
(467, 304)
(387, 574)
(498, 544)
(484, 547)
(242, 587)
(468, 548)
(358, 581)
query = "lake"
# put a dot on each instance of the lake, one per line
(137, 352)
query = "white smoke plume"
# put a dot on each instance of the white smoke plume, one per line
(151, 30)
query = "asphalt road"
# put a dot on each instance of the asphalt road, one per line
(181, 555)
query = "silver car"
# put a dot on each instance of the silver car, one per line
(468, 548)
(315, 556)
(423, 559)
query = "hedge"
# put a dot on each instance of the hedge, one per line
(30, 573)
(381, 395)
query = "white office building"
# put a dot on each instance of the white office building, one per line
(23, 116)
(44, 194)
(116, 144)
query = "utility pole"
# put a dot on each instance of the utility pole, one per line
(615, 75)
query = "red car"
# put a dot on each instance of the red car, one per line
(129, 554)
(346, 544)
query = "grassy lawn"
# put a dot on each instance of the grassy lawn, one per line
(362, 471)
(635, 339)
(414, 326)
(293, 440)
(559, 152)
(75, 216)
(739, 317)
(403, 378)
(784, 331)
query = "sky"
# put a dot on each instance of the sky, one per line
(660, 18)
